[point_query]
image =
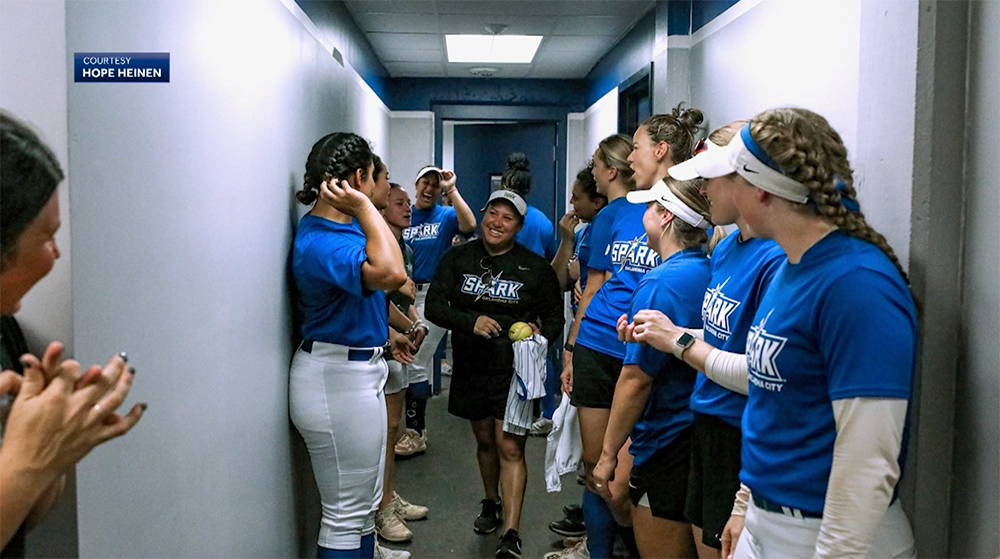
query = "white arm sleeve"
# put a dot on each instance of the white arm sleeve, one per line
(742, 501)
(864, 473)
(728, 370)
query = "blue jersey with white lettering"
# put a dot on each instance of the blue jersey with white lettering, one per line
(741, 272)
(628, 258)
(429, 235)
(676, 289)
(537, 234)
(326, 263)
(839, 324)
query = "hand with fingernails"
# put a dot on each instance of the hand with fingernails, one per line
(344, 198)
(58, 416)
(568, 223)
(486, 327)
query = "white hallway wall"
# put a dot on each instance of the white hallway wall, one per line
(183, 218)
(976, 489)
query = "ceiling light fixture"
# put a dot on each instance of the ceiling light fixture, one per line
(492, 49)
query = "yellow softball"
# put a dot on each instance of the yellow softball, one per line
(519, 331)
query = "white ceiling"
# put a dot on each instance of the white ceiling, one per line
(408, 35)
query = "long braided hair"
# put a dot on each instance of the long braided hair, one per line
(335, 156)
(810, 151)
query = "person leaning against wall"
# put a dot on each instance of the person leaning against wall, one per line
(60, 413)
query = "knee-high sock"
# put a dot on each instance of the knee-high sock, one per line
(326, 553)
(601, 526)
(368, 546)
(416, 406)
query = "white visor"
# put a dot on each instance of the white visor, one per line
(662, 194)
(428, 169)
(739, 158)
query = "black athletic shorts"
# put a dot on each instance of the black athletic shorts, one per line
(595, 375)
(715, 476)
(477, 396)
(663, 478)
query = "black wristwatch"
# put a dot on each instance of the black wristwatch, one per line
(568, 347)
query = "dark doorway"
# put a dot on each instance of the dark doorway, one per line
(481, 151)
(635, 101)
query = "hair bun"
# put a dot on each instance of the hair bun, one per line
(691, 118)
(517, 161)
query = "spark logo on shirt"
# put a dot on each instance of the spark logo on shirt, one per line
(716, 310)
(493, 289)
(422, 232)
(762, 356)
(634, 255)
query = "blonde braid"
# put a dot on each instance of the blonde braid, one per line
(810, 151)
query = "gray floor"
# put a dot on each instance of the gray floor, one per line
(446, 479)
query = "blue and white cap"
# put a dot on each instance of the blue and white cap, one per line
(743, 156)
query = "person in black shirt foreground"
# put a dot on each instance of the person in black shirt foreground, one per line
(61, 411)
(480, 289)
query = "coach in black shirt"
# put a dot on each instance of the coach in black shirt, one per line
(480, 289)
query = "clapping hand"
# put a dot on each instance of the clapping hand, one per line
(60, 415)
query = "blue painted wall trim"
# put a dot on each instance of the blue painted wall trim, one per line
(421, 94)
(704, 11)
(633, 52)
(333, 19)
(678, 17)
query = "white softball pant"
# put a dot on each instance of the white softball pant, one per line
(422, 367)
(773, 534)
(338, 406)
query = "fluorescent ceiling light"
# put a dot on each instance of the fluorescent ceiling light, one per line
(494, 49)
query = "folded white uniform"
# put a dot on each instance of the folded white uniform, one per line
(527, 384)
(564, 448)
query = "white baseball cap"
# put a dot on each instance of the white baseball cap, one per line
(743, 156)
(662, 194)
(428, 169)
(512, 197)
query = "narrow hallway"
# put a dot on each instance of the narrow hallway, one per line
(446, 479)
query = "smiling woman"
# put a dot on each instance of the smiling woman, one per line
(482, 288)
(41, 439)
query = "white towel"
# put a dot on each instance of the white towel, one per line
(527, 384)
(564, 448)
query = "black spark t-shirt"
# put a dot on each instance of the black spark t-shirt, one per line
(517, 286)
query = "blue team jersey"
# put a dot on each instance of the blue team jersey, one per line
(741, 272)
(620, 249)
(538, 234)
(676, 289)
(839, 324)
(429, 235)
(326, 264)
